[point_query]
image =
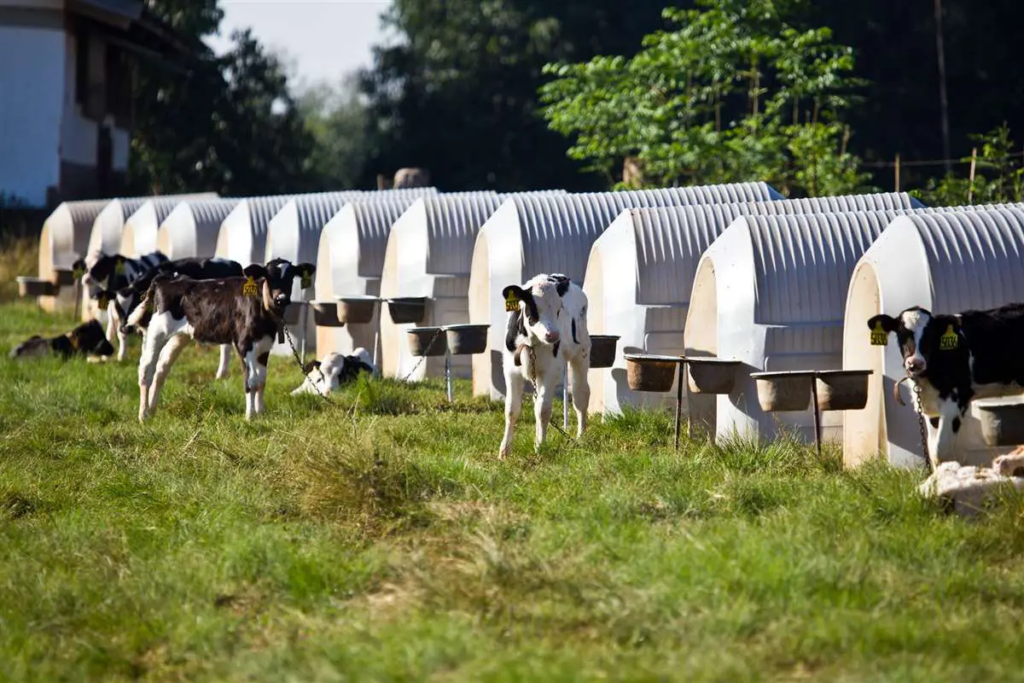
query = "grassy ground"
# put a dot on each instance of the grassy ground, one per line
(380, 539)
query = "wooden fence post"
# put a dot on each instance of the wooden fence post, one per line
(970, 188)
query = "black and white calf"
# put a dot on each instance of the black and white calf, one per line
(121, 302)
(111, 272)
(546, 328)
(85, 340)
(245, 312)
(333, 371)
(956, 359)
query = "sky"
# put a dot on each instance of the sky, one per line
(321, 40)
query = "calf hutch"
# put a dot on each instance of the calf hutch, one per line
(349, 262)
(944, 262)
(108, 228)
(293, 234)
(770, 293)
(141, 231)
(554, 234)
(243, 232)
(190, 230)
(63, 240)
(427, 260)
(660, 247)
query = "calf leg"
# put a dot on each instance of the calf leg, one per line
(542, 404)
(169, 354)
(262, 360)
(942, 438)
(578, 369)
(152, 346)
(225, 360)
(513, 405)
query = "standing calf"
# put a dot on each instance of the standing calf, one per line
(246, 312)
(956, 359)
(546, 327)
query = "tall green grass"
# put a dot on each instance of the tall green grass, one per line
(379, 538)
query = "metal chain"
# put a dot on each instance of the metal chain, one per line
(298, 361)
(422, 358)
(920, 424)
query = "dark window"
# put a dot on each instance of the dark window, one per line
(81, 67)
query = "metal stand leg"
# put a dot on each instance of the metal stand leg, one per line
(565, 398)
(302, 342)
(679, 402)
(448, 375)
(817, 415)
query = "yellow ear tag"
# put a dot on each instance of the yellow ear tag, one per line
(949, 341)
(879, 337)
(250, 288)
(307, 280)
(511, 302)
(78, 272)
(103, 301)
(119, 267)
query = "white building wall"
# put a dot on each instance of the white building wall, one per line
(32, 62)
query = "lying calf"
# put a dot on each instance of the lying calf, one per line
(335, 370)
(85, 340)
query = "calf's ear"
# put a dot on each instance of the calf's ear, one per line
(561, 283)
(512, 295)
(254, 271)
(886, 322)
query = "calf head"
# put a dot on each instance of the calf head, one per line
(926, 340)
(105, 266)
(281, 269)
(88, 338)
(539, 304)
(274, 286)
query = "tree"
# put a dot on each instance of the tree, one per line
(735, 93)
(998, 177)
(458, 93)
(227, 124)
(337, 121)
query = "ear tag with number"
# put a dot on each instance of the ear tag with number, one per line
(879, 337)
(511, 302)
(119, 267)
(307, 280)
(949, 341)
(250, 288)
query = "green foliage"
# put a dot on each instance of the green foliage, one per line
(457, 94)
(999, 177)
(338, 121)
(228, 125)
(735, 93)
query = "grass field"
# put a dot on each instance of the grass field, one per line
(380, 539)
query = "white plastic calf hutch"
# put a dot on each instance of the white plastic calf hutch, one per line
(349, 262)
(641, 270)
(945, 262)
(428, 258)
(65, 239)
(554, 234)
(190, 230)
(770, 292)
(243, 232)
(108, 228)
(293, 234)
(141, 231)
